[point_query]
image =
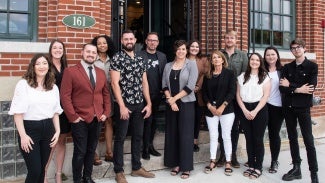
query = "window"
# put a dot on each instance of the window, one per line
(18, 19)
(271, 23)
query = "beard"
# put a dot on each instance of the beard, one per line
(89, 60)
(129, 47)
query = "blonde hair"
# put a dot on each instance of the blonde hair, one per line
(232, 33)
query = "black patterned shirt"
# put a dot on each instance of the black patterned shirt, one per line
(131, 72)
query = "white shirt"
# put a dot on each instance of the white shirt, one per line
(275, 96)
(251, 91)
(35, 104)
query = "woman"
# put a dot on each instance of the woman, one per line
(105, 50)
(36, 109)
(274, 105)
(178, 83)
(253, 90)
(58, 58)
(194, 54)
(219, 89)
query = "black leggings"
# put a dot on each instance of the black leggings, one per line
(41, 132)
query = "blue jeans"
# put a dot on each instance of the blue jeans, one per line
(135, 122)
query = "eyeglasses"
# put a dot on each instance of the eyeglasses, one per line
(152, 40)
(295, 48)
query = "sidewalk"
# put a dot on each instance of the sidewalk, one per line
(197, 175)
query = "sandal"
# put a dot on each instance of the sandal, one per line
(248, 172)
(228, 169)
(185, 175)
(255, 174)
(274, 167)
(174, 171)
(208, 169)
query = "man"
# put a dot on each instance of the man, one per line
(155, 62)
(297, 84)
(86, 102)
(130, 87)
(237, 61)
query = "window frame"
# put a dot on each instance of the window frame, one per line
(253, 30)
(32, 13)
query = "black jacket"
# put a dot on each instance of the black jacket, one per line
(297, 76)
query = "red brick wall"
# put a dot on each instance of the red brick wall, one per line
(51, 13)
(220, 16)
(308, 27)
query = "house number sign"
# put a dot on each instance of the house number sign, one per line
(78, 21)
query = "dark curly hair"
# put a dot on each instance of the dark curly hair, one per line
(30, 74)
(262, 73)
(63, 60)
(111, 48)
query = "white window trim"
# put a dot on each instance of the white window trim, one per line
(286, 54)
(23, 47)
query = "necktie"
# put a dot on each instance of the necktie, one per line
(91, 76)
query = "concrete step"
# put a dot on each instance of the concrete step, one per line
(155, 163)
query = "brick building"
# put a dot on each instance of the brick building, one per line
(28, 26)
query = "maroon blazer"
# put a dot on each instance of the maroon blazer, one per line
(80, 99)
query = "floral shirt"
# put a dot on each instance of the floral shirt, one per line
(131, 72)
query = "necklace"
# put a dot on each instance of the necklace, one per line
(176, 73)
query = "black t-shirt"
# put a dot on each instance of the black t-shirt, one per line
(153, 74)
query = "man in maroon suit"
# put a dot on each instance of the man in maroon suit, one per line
(86, 102)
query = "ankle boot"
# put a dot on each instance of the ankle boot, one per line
(153, 151)
(145, 154)
(314, 177)
(294, 173)
(234, 161)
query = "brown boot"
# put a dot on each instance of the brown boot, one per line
(120, 178)
(142, 173)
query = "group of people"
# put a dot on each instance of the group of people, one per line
(231, 90)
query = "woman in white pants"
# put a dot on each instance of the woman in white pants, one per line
(218, 89)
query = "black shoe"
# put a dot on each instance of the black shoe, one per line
(153, 151)
(234, 161)
(222, 160)
(196, 148)
(88, 180)
(145, 155)
(294, 173)
(314, 178)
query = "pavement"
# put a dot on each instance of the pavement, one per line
(217, 175)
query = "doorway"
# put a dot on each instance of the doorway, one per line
(171, 19)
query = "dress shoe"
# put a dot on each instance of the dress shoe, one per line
(294, 173)
(234, 161)
(88, 180)
(153, 151)
(120, 178)
(314, 177)
(145, 155)
(142, 173)
(196, 148)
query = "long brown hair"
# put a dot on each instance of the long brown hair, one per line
(262, 73)
(63, 59)
(211, 66)
(30, 74)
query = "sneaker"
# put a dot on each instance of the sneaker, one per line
(142, 173)
(120, 178)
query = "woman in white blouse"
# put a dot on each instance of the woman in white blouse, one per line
(253, 90)
(36, 108)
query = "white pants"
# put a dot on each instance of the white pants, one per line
(226, 122)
